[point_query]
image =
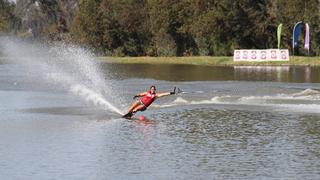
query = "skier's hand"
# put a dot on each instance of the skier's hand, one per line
(174, 91)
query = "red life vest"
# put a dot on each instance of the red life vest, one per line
(148, 99)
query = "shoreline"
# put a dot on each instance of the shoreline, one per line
(223, 61)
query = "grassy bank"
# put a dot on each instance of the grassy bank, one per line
(208, 60)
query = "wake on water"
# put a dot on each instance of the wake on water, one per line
(67, 66)
(305, 101)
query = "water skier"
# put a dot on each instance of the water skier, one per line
(146, 100)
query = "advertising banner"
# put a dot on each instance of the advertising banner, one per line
(307, 37)
(279, 35)
(296, 33)
(261, 55)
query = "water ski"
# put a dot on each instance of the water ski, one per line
(128, 115)
(140, 119)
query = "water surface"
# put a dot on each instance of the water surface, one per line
(295, 74)
(229, 123)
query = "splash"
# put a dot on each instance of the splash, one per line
(94, 97)
(307, 93)
(66, 66)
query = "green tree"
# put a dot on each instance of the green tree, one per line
(6, 15)
(291, 12)
(167, 19)
(86, 25)
(207, 26)
(167, 27)
(220, 26)
(125, 25)
(312, 17)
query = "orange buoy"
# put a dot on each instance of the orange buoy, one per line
(141, 118)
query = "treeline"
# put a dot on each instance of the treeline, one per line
(165, 27)
(6, 15)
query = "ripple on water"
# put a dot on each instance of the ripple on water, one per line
(247, 144)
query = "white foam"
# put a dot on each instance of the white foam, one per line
(310, 108)
(307, 101)
(180, 100)
(307, 93)
(210, 101)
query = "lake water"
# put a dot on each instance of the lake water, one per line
(228, 123)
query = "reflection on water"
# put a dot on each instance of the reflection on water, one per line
(216, 73)
(278, 73)
(169, 72)
(262, 73)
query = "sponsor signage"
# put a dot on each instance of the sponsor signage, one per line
(261, 55)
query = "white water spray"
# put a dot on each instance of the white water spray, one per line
(67, 66)
(92, 96)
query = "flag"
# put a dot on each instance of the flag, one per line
(279, 35)
(296, 32)
(307, 40)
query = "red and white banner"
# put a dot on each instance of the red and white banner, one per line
(261, 55)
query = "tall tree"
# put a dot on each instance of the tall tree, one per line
(86, 25)
(291, 12)
(167, 18)
(6, 15)
(166, 27)
(125, 25)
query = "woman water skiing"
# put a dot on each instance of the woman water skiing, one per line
(146, 100)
